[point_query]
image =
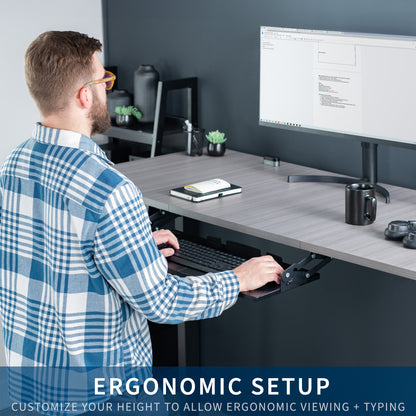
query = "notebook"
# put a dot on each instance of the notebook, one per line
(205, 190)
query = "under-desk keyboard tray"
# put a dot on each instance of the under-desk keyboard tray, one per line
(198, 256)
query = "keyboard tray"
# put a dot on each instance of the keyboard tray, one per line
(199, 256)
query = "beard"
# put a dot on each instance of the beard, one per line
(100, 119)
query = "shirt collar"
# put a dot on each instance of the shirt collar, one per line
(68, 138)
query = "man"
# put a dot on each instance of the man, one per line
(81, 272)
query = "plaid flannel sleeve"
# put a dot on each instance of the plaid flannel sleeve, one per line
(127, 256)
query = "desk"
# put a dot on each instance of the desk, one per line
(309, 216)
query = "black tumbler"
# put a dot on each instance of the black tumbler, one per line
(360, 204)
(197, 144)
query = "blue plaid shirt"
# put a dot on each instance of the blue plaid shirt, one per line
(80, 271)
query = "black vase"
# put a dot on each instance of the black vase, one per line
(216, 149)
(146, 79)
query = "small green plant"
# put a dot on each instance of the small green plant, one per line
(216, 137)
(128, 110)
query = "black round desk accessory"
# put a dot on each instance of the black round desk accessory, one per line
(409, 241)
(396, 230)
(360, 204)
(402, 230)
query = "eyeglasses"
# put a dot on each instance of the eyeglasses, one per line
(108, 79)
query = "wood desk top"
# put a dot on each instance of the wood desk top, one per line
(309, 216)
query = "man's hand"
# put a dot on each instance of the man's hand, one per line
(166, 237)
(258, 271)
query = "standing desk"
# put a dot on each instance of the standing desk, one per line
(309, 216)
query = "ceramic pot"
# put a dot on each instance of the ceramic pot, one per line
(124, 120)
(216, 149)
(117, 98)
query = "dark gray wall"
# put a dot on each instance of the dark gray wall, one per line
(218, 41)
(353, 316)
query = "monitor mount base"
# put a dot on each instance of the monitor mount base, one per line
(369, 160)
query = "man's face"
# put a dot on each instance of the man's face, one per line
(100, 119)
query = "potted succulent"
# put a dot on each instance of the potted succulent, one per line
(216, 143)
(125, 114)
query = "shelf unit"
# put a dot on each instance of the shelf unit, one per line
(153, 133)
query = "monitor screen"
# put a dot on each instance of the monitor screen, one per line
(355, 84)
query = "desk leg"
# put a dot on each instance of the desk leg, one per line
(189, 344)
(182, 345)
(176, 345)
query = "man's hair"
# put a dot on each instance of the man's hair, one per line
(57, 64)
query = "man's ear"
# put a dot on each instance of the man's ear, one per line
(85, 97)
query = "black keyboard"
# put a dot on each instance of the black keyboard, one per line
(204, 258)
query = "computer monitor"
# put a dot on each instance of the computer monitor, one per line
(352, 85)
